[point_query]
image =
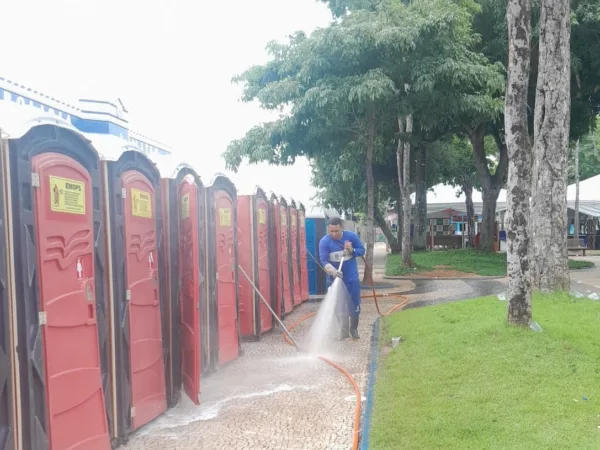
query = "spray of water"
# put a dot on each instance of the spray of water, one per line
(325, 321)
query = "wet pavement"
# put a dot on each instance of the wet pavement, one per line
(434, 292)
(276, 398)
(589, 278)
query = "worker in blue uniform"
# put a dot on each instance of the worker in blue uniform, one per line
(336, 245)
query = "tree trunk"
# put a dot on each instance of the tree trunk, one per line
(519, 162)
(403, 157)
(488, 219)
(420, 231)
(370, 228)
(400, 221)
(551, 140)
(490, 185)
(467, 188)
(381, 223)
(577, 191)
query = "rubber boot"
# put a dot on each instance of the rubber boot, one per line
(354, 327)
(344, 333)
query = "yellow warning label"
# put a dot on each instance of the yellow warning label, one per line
(68, 196)
(224, 217)
(262, 215)
(301, 220)
(141, 203)
(283, 218)
(293, 223)
(185, 206)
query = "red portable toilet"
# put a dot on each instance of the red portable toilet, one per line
(185, 260)
(222, 271)
(253, 253)
(285, 261)
(275, 256)
(302, 256)
(58, 266)
(294, 253)
(136, 289)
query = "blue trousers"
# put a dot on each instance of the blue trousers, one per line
(349, 306)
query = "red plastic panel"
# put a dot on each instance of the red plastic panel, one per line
(226, 289)
(303, 255)
(276, 268)
(288, 303)
(65, 235)
(294, 252)
(189, 292)
(148, 390)
(262, 253)
(246, 261)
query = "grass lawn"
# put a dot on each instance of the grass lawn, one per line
(463, 379)
(469, 261)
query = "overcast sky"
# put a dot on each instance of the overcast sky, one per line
(170, 61)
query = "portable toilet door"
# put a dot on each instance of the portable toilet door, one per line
(275, 256)
(192, 291)
(132, 186)
(316, 228)
(302, 257)
(184, 234)
(253, 252)
(222, 287)
(248, 316)
(286, 270)
(59, 262)
(294, 253)
(8, 436)
(312, 247)
(263, 242)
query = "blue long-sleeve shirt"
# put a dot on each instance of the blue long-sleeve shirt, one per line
(332, 252)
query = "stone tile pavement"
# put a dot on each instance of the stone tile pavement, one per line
(274, 397)
(270, 398)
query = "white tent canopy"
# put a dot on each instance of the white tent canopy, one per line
(588, 189)
(443, 193)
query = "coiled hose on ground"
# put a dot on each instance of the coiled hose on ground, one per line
(343, 371)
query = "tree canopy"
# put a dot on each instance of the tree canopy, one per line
(341, 91)
(325, 83)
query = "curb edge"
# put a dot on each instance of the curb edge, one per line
(391, 277)
(368, 410)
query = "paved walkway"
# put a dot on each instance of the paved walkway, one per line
(275, 398)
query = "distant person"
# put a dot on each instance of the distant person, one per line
(336, 245)
(477, 239)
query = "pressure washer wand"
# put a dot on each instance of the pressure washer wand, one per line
(270, 309)
(341, 264)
